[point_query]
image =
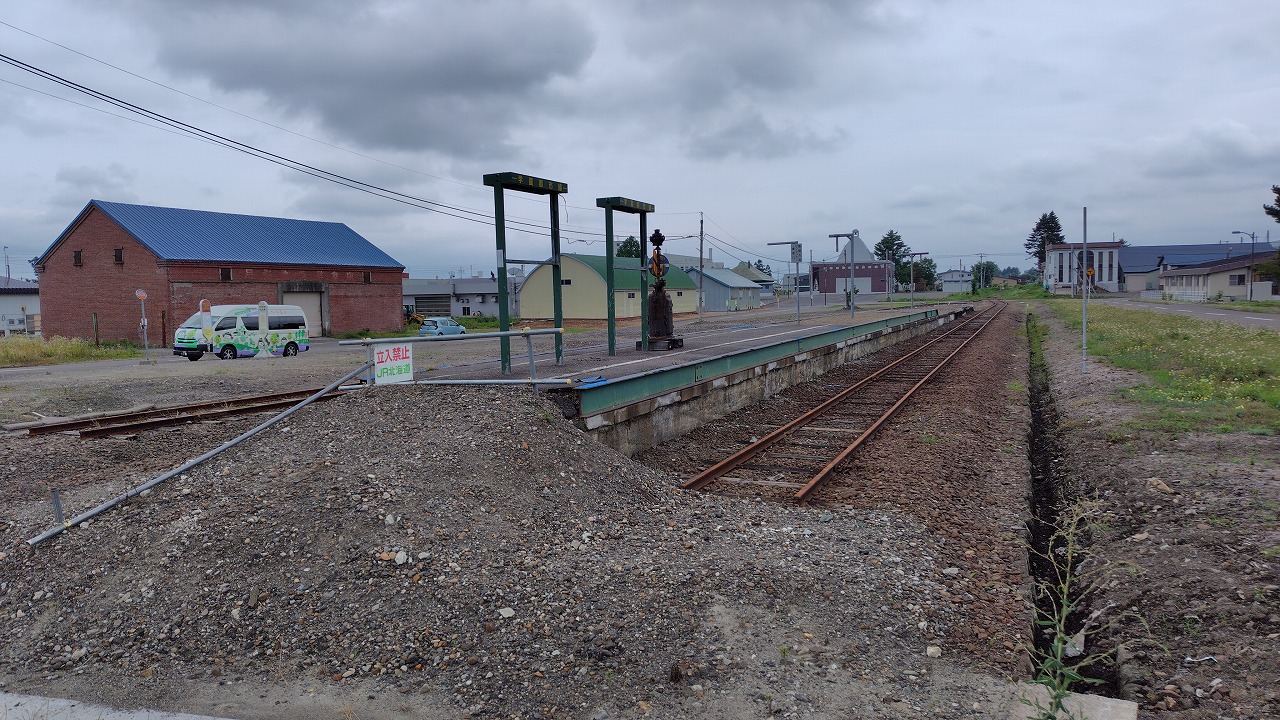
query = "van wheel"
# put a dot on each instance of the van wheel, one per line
(195, 356)
(228, 352)
(290, 350)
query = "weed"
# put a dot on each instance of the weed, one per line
(784, 651)
(1016, 387)
(929, 439)
(1061, 663)
(26, 350)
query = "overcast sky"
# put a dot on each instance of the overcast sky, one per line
(954, 123)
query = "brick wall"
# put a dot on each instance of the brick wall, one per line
(71, 295)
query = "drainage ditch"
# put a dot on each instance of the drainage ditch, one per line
(1053, 498)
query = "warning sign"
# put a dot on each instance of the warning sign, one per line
(393, 363)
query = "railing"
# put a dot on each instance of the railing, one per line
(370, 343)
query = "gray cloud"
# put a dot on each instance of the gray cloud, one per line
(450, 77)
(76, 185)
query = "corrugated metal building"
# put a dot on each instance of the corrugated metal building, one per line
(724, 290)
(89, 275)
(19, 306)
(584, 293)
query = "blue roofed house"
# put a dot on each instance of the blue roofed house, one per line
(90, 275)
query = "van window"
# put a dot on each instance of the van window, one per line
(226, 323)
(250, 322)
(286, 322)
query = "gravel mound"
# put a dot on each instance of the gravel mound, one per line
(472, 546)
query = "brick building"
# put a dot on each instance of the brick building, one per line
(89, 275)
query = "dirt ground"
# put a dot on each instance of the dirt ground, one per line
(269, 584)
(1193, 521)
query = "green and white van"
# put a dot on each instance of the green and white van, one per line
(232, 331)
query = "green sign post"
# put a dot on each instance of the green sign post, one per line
(536, 186)
(634, 207)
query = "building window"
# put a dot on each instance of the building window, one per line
(679, 293)
(368, 278)
(566, 281)
(119, 256)
(630, 295)
(1236, 280)
(77, 257)
(224, 274)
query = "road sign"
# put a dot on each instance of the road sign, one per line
(1089, 272)
(140, 294)
(797, 253)
(659, 264)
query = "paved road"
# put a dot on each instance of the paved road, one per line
(1204, 312)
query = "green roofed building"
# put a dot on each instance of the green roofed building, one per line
(583, 289)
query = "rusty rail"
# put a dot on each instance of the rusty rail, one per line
(160, 417)
(743, 456)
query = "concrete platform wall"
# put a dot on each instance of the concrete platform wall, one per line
(633, 428)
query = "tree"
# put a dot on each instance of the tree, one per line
(926, 272)
(629, 247)
(891, 248)
(983, 273)
(1048, 231)
(1274, 210)
(764, 268)
(1010, 272)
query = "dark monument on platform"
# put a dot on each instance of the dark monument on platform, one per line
(661, 321)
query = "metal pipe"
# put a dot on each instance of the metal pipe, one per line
(435, 338)
(192, 463)
(556, 381)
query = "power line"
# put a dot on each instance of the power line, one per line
(181, 128)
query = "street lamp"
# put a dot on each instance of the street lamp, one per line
(1253, 242)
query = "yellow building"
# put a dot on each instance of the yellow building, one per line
(583, 290)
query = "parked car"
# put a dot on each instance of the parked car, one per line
(440, 326)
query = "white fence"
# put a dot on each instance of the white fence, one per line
(1175, 295)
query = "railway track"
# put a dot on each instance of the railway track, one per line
(126, 423)
(795, 459)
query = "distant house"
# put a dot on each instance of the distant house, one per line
(460, 297)
(584, 292)
(999, 281)
(956, 281)
(19, 306)
(1230, 278)
(724, 290)
(1129, 268)
(90, 274)
(759, 277)
(869, 274)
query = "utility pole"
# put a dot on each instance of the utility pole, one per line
(1084, 304)
(701, 270)
(852, 286)
(7, 276)
(913, 275)
(982, 272)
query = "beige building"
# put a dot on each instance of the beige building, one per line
(583, 290)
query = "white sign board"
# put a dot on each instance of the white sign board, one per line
(393, 363)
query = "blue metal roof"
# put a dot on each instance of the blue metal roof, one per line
(198, 235)
(1145, 258)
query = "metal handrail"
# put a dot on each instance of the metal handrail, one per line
(527, 333)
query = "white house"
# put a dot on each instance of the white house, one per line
(19, 306)
(956, 281)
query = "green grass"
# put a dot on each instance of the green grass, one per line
(1202, 376)
(26, 350)
(1253, 306)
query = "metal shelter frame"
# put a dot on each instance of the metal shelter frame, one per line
(634, 207)
(536, 186)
